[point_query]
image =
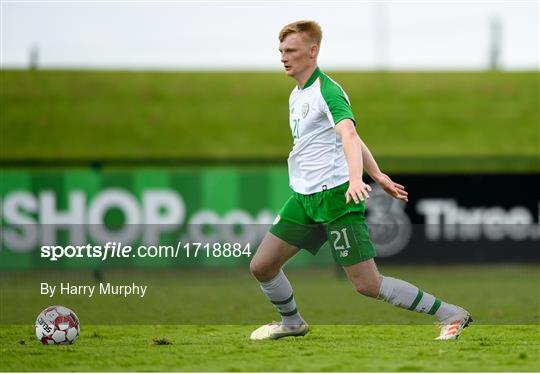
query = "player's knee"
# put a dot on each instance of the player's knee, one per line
(260, 270)
(367, 289)
(255, 268)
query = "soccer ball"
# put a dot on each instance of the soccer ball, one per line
(57, 325)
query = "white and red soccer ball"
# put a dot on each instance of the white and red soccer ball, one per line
(57, 325)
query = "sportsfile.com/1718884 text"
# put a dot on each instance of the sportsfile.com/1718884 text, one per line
(116, 250)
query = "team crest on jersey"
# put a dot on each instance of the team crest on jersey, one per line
(305, 109)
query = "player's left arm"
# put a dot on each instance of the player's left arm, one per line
(392, 188)
(356, 152)
(352, 148)
(359, 157)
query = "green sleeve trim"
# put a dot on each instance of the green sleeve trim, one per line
(336, 99)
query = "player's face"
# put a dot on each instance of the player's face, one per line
(297, 55)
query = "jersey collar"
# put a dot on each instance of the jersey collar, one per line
(312, 79)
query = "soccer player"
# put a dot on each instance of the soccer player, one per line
(328, 201)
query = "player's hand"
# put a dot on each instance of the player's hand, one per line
(392, 188)
(357, 191)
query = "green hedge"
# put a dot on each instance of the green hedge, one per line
(492, 116)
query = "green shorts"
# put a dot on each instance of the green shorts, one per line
(308, 221)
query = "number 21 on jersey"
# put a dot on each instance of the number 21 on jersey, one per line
(296, 128)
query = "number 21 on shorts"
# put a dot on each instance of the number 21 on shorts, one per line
(341, 242)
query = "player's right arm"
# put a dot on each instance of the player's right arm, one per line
(395, 190)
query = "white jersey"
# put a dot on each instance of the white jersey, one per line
(317, 161)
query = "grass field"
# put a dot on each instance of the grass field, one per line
(70, 115)
(421, 122)
(207, 318)
(227, 348)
